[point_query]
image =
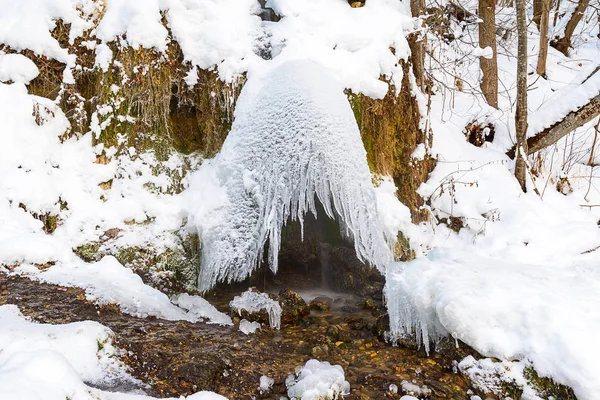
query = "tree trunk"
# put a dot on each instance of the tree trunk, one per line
(538, 6)
(417, 45)
(564, 43)
(521, 112)
(487, 38)
(543, 27)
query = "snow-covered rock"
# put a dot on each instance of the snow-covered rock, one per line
(317, 380)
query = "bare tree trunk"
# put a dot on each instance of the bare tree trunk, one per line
(564, 43)
(538, 6)
(417, 45)
(521, 112)
(487, 38)
(543, 26)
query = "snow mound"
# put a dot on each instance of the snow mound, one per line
(253, 302)
(17, 68)
(294, 141)
(78, 343)
(200, 309)
(317, 380)
(548, 317)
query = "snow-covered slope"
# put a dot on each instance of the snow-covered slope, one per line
(294, 141)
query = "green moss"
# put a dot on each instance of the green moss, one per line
(547, 387)
(402, 250)
(391, 131)
(88, 252)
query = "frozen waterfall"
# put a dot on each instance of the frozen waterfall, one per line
(294, 140)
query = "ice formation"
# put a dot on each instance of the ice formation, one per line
(253, 302)
(548, 317)
(294, 142)
(317, 380)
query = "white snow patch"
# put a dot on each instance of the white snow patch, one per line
(17, 68)
(317, 380)
(490, 376)
(266, 384)
(247, 327)
(200, 309)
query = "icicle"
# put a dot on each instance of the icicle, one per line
(294, 137)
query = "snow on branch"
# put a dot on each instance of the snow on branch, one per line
(294, 142)
(568, 109)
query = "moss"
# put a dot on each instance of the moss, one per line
(88, 252)
(402, 250)
(547, 387)
(391, 131)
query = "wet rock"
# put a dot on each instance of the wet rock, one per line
(349, 274)
(382, 325)
(321, 303)
(320, 351)
(201, 371)
(294, 308)
(338, 334)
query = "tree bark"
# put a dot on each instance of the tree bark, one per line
(564, 43)
(543, 27)
(417, 45)
(487, 38)
(521, 112)
(538, 6)
(572, 121)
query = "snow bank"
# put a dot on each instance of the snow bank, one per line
(254, 302)
(353, 43)
(543, 313)
(317, 380)
(109, 282)
(77, 343)
(17, 68)
(43, 361)
(227, 35)
(294, 141)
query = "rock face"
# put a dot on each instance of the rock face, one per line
(349, 274)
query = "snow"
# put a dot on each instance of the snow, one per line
(266, 384)
(77, 343)
(247, 327)
(200, 309)
(109, 282)
(317, 380)
(548, 317)
(253, 302)
(17, 68)
(570, 98)
(334, 35)
(489, 376)
(294, 141)
(53, 361)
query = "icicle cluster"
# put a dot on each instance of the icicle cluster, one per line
(294, 141)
